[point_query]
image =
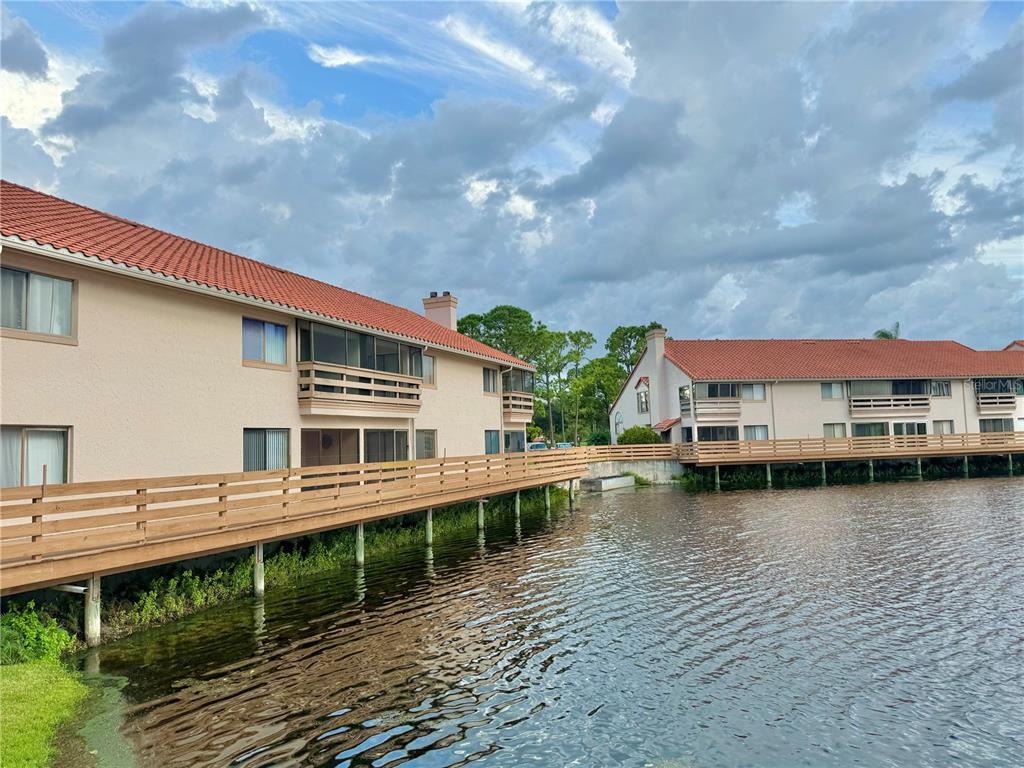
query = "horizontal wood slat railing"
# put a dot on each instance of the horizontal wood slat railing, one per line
(56, 533)
(340, 385)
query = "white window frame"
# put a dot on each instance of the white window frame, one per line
(24, 432)
(937, 430)
(753, 392)
(944, 384)
(71, 337)
(832, 385)
(746, 435)
(833, 425)
(643, 401)
(416, 438)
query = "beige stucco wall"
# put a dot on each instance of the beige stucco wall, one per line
(156, 385)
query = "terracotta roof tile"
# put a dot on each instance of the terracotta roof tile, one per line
(664, 424)
(823, 359)
(33, 216)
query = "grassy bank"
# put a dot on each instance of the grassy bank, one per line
(159, 595)
(37, 693)
(753, 476)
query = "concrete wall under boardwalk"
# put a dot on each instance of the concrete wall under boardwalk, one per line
(656, 471)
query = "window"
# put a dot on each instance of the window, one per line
(490, 380)
(264, 342)
(515, 442)
(942, 427)
(833, 430)
(618, 422)
(941, 389)
(717, 434)
(910, 428)
(832, 390)
(716, 389)
(491, 441)
(752, 392)
(687, 434)
(264, 449)
(871, 429)
(517, 381)
(324, 447)
(685, 403)
(995, 425)
(35, 303)
(26, 450)
(428, 369)
(643, 402)
(755, 431)
(910, 387)
(426, 443)
(999, 386)
(385, 445)
(328, 344)
(870, 388)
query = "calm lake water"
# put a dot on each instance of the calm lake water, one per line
(859, 626)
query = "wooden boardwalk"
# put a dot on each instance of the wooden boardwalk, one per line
(55, 534)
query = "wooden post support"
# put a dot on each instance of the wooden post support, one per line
(572, 496)
(871, 470)
(718, 479)
(430, 527)
(824, 475)
(92, 612)
(518, 504)
(547, 498)
(768, 475)
(480, 515)
(360, 545)
(967, 469)
(258, 585)
(920, 474)
(1009, 464)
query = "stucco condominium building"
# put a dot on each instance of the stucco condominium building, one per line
(126, 351)
(714, 390)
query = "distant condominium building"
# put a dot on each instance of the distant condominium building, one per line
(131, 352)
(713, 390)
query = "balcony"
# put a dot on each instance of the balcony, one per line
(996, 402)
(337, 390)
(717, 409)
(517, 406)
(883, 405)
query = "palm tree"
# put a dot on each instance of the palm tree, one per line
(889, 333)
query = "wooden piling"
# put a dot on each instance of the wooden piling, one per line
(360, 545)
(429, 525)
(92, 612)
(768, 475)
(258, 583)
(718, 479)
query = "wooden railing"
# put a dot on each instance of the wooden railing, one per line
(719, 408)
(843, 448)
(996, 402)
(872, 404)
(667, 451)
(56, 533)
(517, 406)
(327, 388)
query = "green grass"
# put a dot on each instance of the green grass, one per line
(35, 698)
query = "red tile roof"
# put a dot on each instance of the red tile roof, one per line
(33, 216)
(1016, 344)
(771, 359)
(664, 424)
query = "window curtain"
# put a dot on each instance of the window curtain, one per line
(10, 456)
(277, 449)
(49, 305)
(254, 450)
(12, 298)
(277, 343)
(45, 447)
(252, 339)
(870, 388)
(755, 432)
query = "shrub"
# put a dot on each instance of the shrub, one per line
(26, 635)
(533, 432)
(639, 436)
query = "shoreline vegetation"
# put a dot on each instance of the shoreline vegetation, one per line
(35, 640)
(746, 477)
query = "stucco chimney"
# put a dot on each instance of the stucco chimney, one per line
(441, 309)
(656, 343)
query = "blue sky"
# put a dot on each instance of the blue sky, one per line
(768, 169)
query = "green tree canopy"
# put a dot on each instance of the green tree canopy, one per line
(889, 333)
(627, 343)
(510, 329)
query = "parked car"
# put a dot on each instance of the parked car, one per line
(537, 447)
(564, 445)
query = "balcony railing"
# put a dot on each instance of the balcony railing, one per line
(722, 408)
(325, 388)
(996, 402)
(875, 404)
(517, 406)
